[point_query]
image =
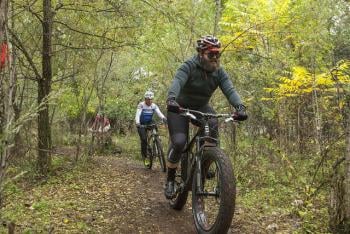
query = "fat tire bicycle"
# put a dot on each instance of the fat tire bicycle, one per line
(207, 172)
(154, 146)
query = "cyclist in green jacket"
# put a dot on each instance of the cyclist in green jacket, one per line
(192, 87)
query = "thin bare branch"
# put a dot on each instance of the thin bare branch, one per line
(17, 42)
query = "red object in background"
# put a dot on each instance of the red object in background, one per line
(3, 55)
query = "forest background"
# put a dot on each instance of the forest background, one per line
(62, 61)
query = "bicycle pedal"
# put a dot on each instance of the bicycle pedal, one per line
(178, 187)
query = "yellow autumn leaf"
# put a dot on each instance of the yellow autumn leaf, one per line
(324, 80)
(301, 213)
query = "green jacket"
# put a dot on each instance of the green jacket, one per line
(192, 86)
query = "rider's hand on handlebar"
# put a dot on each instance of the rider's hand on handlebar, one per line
(172, 105)
(138, 125)
(240, 114)
(165, 121)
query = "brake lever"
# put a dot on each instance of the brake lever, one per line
(192, 116)
(233, 120)
(187, 113)
(229, 120)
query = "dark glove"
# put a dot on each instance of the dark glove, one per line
(172, 105)
(165, 121)
(240, 113)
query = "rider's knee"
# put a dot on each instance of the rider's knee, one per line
(178, 144)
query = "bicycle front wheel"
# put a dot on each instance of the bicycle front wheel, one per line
(213, 202)
(148, 160)
(160, 154)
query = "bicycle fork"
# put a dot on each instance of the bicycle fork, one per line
(199, 172)
(198, 156)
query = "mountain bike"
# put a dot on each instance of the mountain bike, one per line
(207, 172)
(154, 146)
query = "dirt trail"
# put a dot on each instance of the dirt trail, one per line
(111, 194)
(136, 201)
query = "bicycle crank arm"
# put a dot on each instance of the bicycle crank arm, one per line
(208, 194)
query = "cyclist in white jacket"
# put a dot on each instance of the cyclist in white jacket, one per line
(144, 116)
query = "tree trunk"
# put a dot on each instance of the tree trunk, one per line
(217, 16)
(339, 209)
(6, 88)
(2, 103)
(44, 88)
(347, 172)
(16, 150)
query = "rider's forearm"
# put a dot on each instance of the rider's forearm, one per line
(137, 116)
(160, 114)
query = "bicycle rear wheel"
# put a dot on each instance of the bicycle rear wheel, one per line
(213, 205)
(160, 154)
(180, 199)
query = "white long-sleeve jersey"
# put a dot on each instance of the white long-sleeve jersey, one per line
(144, 113)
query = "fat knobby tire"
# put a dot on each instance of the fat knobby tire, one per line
(227, 192)
(180, 200)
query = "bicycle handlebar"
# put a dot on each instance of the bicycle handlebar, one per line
(190, 113)
(150, 125)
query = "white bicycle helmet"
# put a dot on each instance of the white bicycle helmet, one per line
(149, 95)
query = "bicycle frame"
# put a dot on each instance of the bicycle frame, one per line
(154, 147)
(196, 140)
(206, 171)
(153, 129)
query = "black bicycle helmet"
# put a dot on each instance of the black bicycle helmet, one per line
(208, 43)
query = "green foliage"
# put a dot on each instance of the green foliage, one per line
(12, 189)
(303, 82)
(289, 60)
(41, 206)
(274, 184)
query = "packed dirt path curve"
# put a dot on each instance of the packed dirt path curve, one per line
(135, 203)
(106, 194)
(132, 200)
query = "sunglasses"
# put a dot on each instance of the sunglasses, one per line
(213, 54)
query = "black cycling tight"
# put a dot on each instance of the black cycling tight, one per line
(143, 138)
(178, 129)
